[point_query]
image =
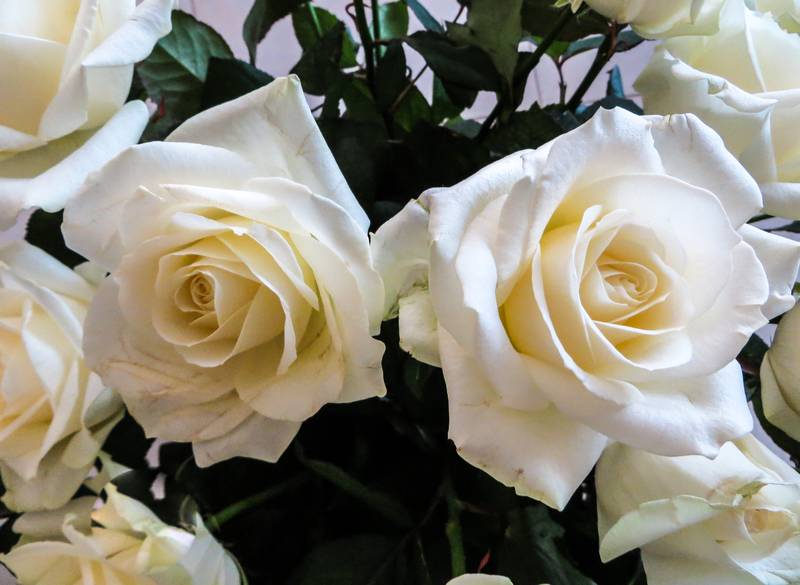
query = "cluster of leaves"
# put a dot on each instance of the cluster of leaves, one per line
(374, 493)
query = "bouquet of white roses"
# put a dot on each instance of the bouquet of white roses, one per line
(381, 342)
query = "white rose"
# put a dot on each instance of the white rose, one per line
(734, 520)
(786, 12)
(55, 412)
(479, 580)
(780, 376)
(744, 82)
(660, 18)
(67, 68)
(597, 288)
(126, 544)
(242, 296)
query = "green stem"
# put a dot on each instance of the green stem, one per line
(604, 54)
(216, 521)
(458, 562)
(527, 65)
(366, 41)
(376, 28)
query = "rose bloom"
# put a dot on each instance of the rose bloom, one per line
(731, 521)
(597, 288)
(67, 68)
(242, 295)
(54, 412)
(780, 376)
(744, 82)
(660, 18)
(121, 542)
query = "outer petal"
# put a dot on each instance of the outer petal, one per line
(419, 328)
(683, 416)
(501, 440)
(258, 437)
(781, 260)
(94, 220)
(780, 377)
(669, 85)
(51, 175)
(95, 82)
(274, 128)
(401, 250)
(694, 153)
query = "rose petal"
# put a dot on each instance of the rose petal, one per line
(499, 439)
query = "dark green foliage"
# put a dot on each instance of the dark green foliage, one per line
(228, 79)
(44, 230)
(175, 72)
(260, 19)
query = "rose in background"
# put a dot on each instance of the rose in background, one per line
(658, 19)
(573, 310)
(54, 412)
(242, 296)
(67, 68)
(480, 580)
(120, 542)
(780, 376)
(786, 12)
(744, 82)
(735, 519)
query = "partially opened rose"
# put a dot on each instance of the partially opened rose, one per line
(122, 542)
(67, 68)
(54, 412)
(744, 82)
(660, 18)
(242, 296)
(597, 288)
(734, 520)
(780, 376)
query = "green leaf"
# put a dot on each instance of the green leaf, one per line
(44, 231)
(425, 18)
(380, 502)
(318, 68)
(495, 26)
(609, 103)
(540, 16)
(228, 79)
(175, 71)
(348, 561)
(262, 15)
(393, 18)
(465, 67)
(310, 25)
(626, 41)
(390, 76)
(443, 107)
(523, 130)
(530, 553)
(359, 148)
(615, 87)
(412, 109)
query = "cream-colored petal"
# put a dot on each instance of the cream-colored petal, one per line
(273, 128)
(501, 440)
